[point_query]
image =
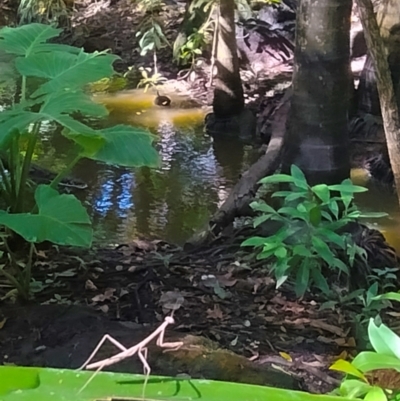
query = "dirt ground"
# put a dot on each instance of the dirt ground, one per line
(128, 290)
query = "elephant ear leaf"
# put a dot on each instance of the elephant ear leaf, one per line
(66, 70)
(122, 145)
(30, 39)
(61, 219)
(25, 39)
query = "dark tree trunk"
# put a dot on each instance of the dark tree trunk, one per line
(317, 140)
(390, 113)
(228, 92)
(388, 18)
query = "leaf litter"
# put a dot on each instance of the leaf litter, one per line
(211, 296)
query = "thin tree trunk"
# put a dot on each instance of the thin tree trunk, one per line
(387, 98)
(228, 93)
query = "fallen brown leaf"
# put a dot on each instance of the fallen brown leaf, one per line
(89, 285)
(144, 245)
(319, 324)
(215, 313)
(226, 280)
(107, 296)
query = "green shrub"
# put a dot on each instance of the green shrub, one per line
(308, 237)
(56, 76)
(373, 375)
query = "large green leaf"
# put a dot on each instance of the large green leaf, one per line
(90, 142)
(302, 278)
(347, 367)
(66, 70)
(347, 187)
(15, 119)
(276, 178)
(255, 241)
(123, 145)
(26, 39)
(323, 250)
(383, 340)
(353, 388)
(320, 281)
(54, 108)
(61, 219)
(367, 361)
(29, 39)
(299, 178)
(44, 384)
(67, 102)
(322, 191)
(393, 296)
(376, 394)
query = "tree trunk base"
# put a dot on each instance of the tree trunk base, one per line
(241, 126)
(239, 199)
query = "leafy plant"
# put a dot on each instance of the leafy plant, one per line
(55, 75)
(150, 80)
(199, 27)
(363, 305)
(43, 11)
(307, 238)
(192, 48)
(373, 375)
(152, 39)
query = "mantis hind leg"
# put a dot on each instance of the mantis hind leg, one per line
(142, 354)
(101, 342)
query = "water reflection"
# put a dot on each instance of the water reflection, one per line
(171, 202)
(194, 178)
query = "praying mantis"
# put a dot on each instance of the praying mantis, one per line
(140, 349)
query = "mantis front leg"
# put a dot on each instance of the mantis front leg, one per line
(172, 346)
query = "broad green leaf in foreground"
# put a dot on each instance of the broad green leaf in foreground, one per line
(61, 219)
(67, 102)
(27, 38)
(16, 119)
(367, 361)
(353, 388)
(375, 394)
(66, 70)
(393, 296)
(276, 178)
(347, 187)
(383, 340)
(44, 384)
(54, 108)
(123, 145)
(344, 366)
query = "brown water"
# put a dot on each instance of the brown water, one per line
(379, 199)
(195, 176)
(170, 202)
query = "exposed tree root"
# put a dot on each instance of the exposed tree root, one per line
(243, 193)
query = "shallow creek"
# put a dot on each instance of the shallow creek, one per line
(170, 202)
(195, 176)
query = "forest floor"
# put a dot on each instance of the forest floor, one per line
(227, 297)
(224, 296)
